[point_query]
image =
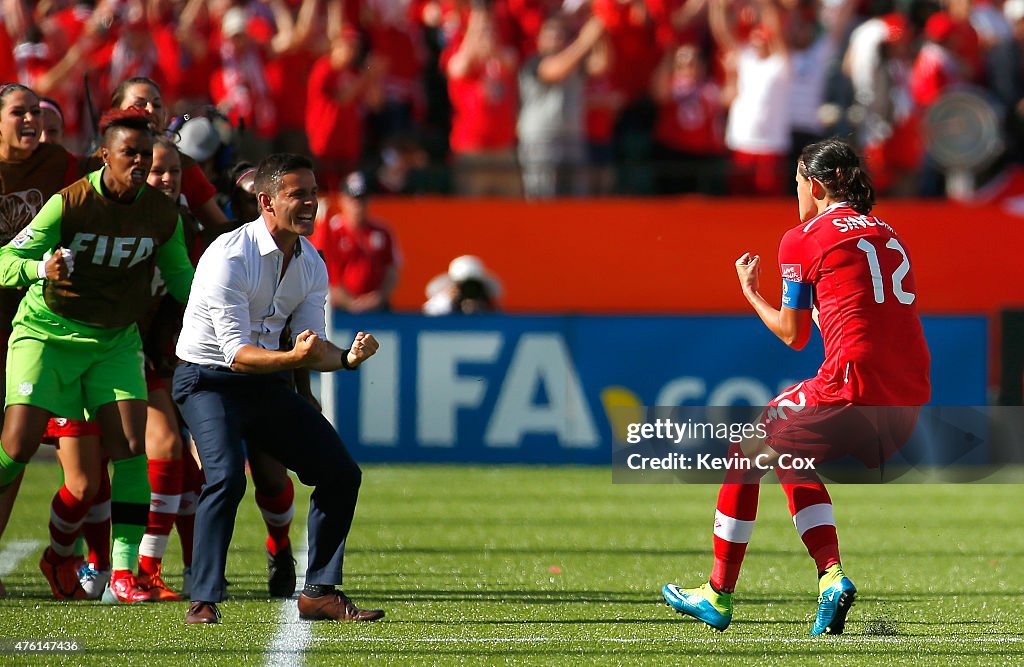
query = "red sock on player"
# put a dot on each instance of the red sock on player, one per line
(96, 528)
(734, 524)
(277, 513)
(811, 507)
(192, 486)
(165, 477)
(66, 516)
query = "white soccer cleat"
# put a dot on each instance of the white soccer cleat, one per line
(93, 581)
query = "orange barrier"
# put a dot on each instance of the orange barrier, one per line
(621, 256)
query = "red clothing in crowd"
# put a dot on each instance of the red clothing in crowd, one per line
(485, 105)
(400, 47)
(601, 112)
(288, 90)
(8, 69)
(333, 127)
(194, 185)
(357, 259)
(667, 33)
(691, 121)
(634, 44)
(935, 69)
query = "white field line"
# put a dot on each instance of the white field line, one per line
(293, 635)
(14, 552)
(832, 641)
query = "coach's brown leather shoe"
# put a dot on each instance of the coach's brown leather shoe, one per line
(334, 606)
(202, 612)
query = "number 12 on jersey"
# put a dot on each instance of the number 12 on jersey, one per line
(898, 275)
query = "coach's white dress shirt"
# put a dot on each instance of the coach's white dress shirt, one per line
(239, 296)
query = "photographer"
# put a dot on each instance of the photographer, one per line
(467, 289)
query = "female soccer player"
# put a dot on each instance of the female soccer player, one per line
(30, 172)
(75, 347)
(855, 271)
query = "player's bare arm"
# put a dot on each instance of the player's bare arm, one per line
(793, 327)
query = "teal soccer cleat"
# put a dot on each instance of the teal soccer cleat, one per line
(703, 603)
(834, 601)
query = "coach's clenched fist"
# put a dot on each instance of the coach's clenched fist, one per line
(364, 346)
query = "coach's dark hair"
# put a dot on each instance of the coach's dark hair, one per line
(117, 98)
(8, 88)
(273, 168)
(126, 119)
(837, 166)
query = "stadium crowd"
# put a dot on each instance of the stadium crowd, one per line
(539, 97)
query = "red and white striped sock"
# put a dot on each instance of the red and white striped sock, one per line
(185, 523)
(66, 516)
(734, 523)
(165, 497)
(811, 507)
(96, 528)
(735, 513)
(277, 513)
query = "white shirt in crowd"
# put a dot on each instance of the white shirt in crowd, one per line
(240, 298)
(759, 116)
(810, 78)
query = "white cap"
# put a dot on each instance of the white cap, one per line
(1013, 10)
(234, 22)
(198, 139)
(461, 269)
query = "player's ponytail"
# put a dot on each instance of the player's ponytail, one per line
(837, 166)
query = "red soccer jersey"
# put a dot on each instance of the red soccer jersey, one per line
(865, 292)
(357, 259)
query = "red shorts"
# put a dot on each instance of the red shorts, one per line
(153, 381)
(59, 427)
(805, 422)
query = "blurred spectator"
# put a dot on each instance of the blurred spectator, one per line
(243, 206)
(53, 122)
(360, 253)
(482, 85)
(128, 51)
(757, 131)
(288, 87)
(814, 53)
(995, 36)
(398, 48)
(552, 150)
(1014, 12)
(632, 37)
(13, 24)
(878, 62)
(940, 65)
(691, 124)
(338, 95)
(239, 86)
(467, 288)
(937, 66)
(603, 103)
(198, 139)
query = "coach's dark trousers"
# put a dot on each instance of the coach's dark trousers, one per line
(222, 408)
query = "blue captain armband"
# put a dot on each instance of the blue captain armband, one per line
(799, 296)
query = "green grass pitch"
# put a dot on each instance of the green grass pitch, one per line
(534, 565)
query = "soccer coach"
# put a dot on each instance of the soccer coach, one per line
(232, 386)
